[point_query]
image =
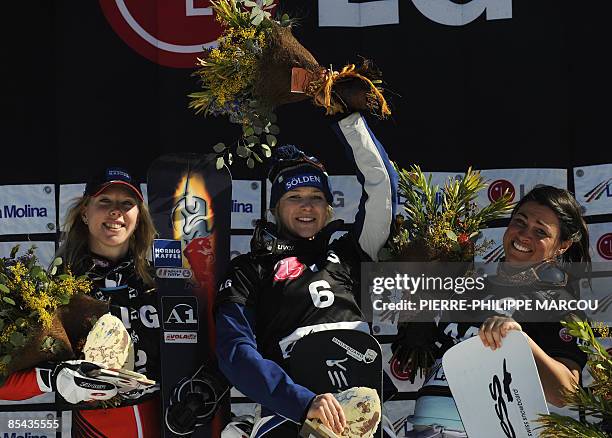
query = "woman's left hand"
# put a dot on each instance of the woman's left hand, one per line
(495, 328)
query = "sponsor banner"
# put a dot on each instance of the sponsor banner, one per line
(27, 209)
(337, 235)
(437, 178)
(600, 289)
(246, 203)
(68, 194)
(181, 337)
(488, 258)
(239, 245)
(397, 411)
(167, 253)
(385, 322)
(44, 250)
(517, 182)
(593, 188)
(346, 192)
(347, 13)
(398, 376)
(145, 192)
(600, 236)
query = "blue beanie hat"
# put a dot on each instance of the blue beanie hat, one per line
(292, 168)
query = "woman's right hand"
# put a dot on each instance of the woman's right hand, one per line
(326, 408)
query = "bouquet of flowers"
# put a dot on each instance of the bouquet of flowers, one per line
(37, 312)
(596, 400)
(254, 69)
(440, 225)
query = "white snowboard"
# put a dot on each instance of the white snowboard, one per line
(498, 393)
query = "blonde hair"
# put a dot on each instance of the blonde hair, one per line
(74, 248)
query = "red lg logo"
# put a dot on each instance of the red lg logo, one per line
(168, 32)
(498, 188)
(604, 246)
(397, 371)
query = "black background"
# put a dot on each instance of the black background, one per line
(530, 91)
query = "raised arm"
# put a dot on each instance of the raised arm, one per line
(378, 182)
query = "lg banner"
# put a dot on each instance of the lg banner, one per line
(593, 187)
(363, 13)
(517, 182)
(27, 209)
(170, 33)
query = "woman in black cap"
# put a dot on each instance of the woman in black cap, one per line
(108, 234)
(295, 282)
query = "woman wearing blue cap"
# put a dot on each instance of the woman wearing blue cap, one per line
(108, 234)
(295, 282)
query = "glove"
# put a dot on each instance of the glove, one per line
(71, 380)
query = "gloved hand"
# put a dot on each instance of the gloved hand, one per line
(70, 379)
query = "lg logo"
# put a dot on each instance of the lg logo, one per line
(372, 13)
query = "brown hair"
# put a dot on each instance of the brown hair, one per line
(75, 240)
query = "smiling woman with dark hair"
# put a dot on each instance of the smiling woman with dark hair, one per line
(546, 232)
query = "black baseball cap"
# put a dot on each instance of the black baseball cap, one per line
(110, 176)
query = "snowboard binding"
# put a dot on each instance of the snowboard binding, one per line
(195, 400)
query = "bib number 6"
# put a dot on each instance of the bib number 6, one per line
(321, 294)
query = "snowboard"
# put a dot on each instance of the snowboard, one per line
(190, 203)
(498, 393)
(335, 360)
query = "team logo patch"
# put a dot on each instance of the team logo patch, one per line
(289, 268)
(564, 335)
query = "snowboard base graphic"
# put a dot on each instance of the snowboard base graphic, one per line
(190, 203)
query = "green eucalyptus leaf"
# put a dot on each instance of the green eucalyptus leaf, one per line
(220, 163)
(266, 150)
(14, 251)
(274, 129)
(8, 300)
(250, 163)
(258, 19)
(248, 131)
(258, 130)
(242, 151)
(249, 3)
(271, 140)
(57, 261)
(451, 235)
(219, 147)
(4, 289)
(230, 158)
(257, 157)
(53, 271)
(253, 139)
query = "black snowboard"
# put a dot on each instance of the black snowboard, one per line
(335, 360)
(190, 202)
